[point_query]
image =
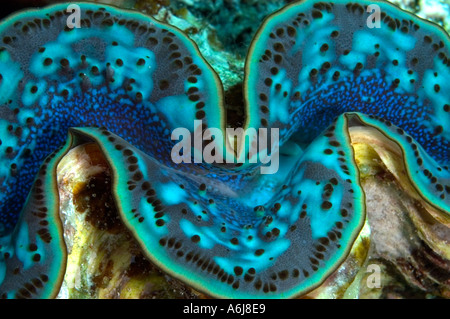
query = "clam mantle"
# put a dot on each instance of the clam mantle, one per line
(124, 81)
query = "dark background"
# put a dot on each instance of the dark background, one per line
(9, 6)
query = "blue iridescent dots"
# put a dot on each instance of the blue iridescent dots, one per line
(125, 81)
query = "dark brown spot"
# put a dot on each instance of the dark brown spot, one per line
(195, 238)
(259, 252)
(48, 61)
(163, 84)
(326, 205)
(324, 47)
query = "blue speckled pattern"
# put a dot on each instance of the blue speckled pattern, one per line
(126, 81)
(316, 60)
(322, 59)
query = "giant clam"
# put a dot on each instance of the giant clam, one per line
(317, 72)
